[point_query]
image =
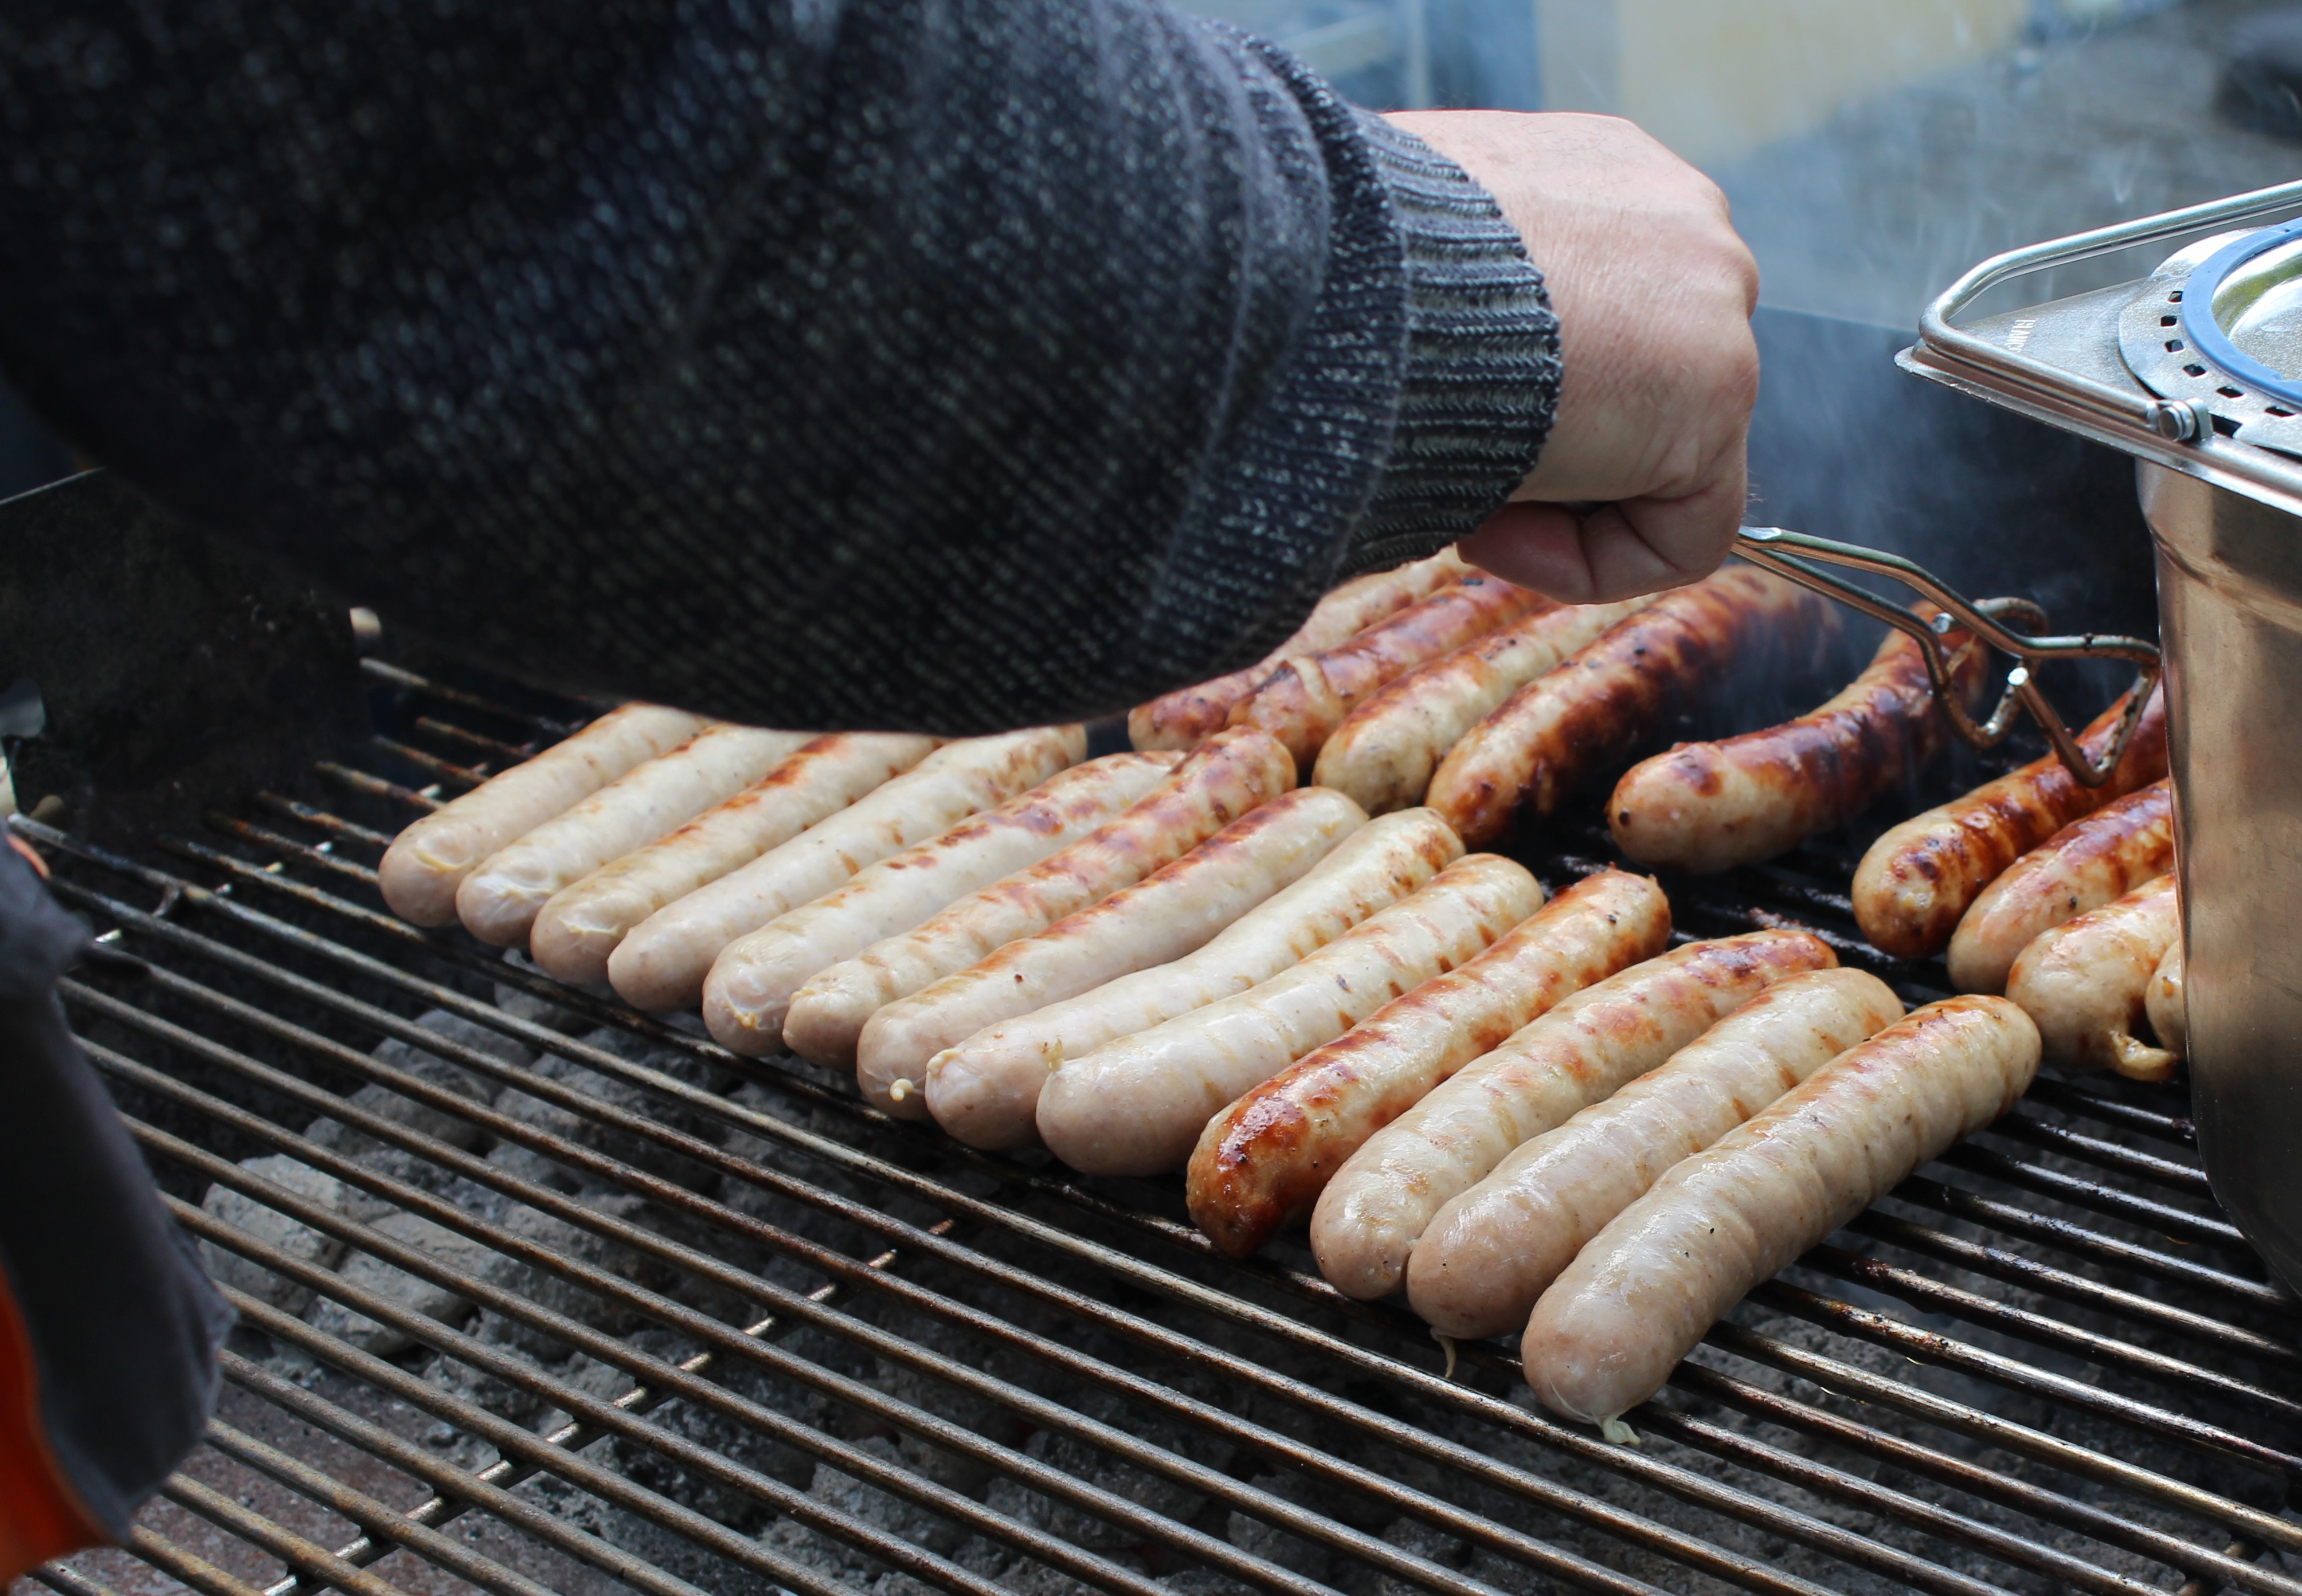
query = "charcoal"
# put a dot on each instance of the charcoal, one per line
(523, 1004)
(504, 1399)
(400, 1288)
(551, 1291)
(264, 1224)
(634, 1148)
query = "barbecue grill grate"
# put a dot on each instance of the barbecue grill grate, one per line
(706, 1323)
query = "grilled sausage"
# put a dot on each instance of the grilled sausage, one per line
(1368, 1219)
(1261, 1163)
(2090, 861)
(1648, 1287)
(1190, 715)
(581, 925)
(499, 901)
(751, 987)
(1384, 752)
(1490, 1253)
(1167, 914)
(2086, 983)
(1222, 779)
(1712, 806)
(428, 861)
(663, 963)
(1917, 880)
(2168, 1018)
(1306, 698)
(1561, 730)
(1136, 1106)
(986, 1091)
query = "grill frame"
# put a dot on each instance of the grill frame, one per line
(1745, 1462)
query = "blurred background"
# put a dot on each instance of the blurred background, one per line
(1872, 149)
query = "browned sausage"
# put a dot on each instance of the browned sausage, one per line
(1915, 881)
(1559, 731)
(1262, 1161)
(1307, 697)
(2083, 866)
(1184, 718)
(1712, 806)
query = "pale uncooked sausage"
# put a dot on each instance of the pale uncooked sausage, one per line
(1491, 1252)
(428, 861)
(663, 963)
(578, 929)
(2086, 983)
(1369, 1217)
(1648, 1287)
(986, 1091)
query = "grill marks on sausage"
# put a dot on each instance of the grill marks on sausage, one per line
(1558, 732)
(1307, 697)
(1710, 806)
(1919, 878)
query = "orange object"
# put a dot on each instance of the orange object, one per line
(40, 1514)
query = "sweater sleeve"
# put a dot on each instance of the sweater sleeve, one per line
(952, 364)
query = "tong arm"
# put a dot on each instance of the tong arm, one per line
(1779, 551)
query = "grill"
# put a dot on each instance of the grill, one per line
(678, 1321)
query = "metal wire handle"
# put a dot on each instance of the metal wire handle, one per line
(1771, 547)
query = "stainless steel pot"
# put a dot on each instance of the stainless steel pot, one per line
(2188, 372)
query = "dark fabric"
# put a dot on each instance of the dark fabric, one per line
(123, 1323)
(944, 363)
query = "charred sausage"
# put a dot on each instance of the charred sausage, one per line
(1917, 880)
(579, 929)
(986, 1090)
(1490, 1253)
(1262, 1162)
(1712, 806)
(1222, 779)
(1187, 716)
(1636, 1300)
(663, 963)
(1368, 1219)
(2090, 861)
(428, 861)
(1306, 698)
(2086, 983)
(1384, 752)
(1136, 1106)
(1563, 729)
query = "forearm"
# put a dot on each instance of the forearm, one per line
(946, 366)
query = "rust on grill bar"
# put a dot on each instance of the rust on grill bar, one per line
(680, 1322)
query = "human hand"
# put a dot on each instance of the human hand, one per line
(1642, 482)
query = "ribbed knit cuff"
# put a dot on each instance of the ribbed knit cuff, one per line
(1483, 359)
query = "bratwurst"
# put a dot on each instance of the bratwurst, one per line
(1648, 1287)
(1137, 1106)
(1183, 718)
(1919, 878)
(1370, 1216)
(428, 861)
(986, 1090)
(1262, 1162)
(1561, 730)
(2086, 983)
(2090, 861)
(1712, 806)
(1490, 1253)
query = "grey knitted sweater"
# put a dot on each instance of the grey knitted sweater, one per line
(943, 363)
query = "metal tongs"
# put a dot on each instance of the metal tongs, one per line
(1778, 551)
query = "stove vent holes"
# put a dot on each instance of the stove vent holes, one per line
(2193, 369)
(2173, 346)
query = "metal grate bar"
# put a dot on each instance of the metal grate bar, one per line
(306, 1557)
(395, 676)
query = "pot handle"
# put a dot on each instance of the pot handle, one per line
(1788, 554)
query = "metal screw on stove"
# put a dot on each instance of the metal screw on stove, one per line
(2180, 421)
